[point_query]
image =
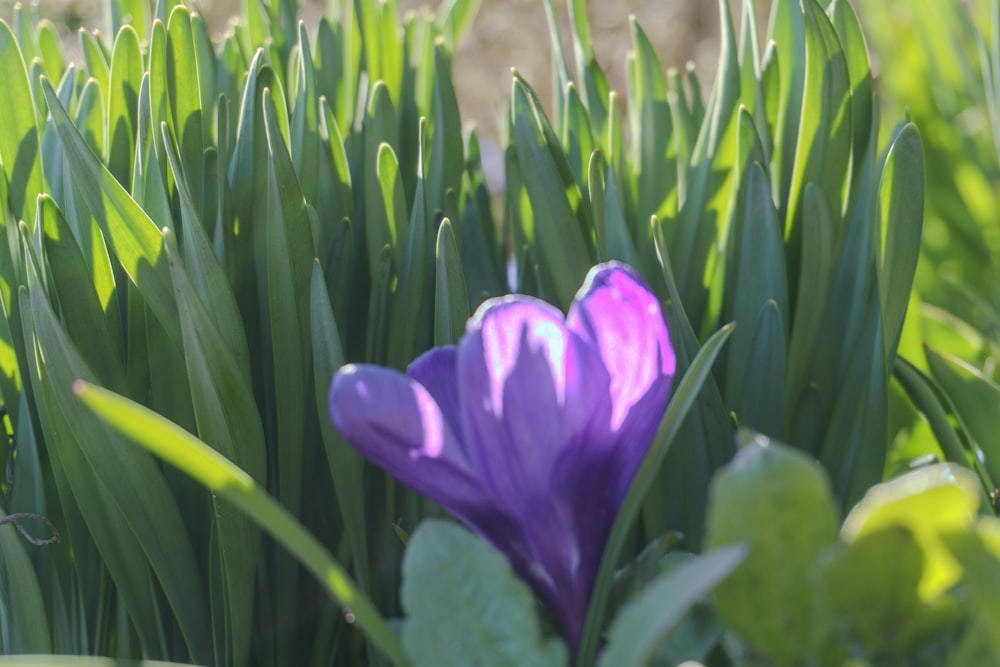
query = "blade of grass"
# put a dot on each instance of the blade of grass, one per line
(181, 449)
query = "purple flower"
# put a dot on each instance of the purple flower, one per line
(530, 430)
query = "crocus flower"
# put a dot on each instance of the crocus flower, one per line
(530, 430)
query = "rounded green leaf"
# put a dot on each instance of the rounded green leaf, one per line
(778, 501)
(464, 605)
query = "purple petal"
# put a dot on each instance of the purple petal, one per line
(530, 390)
(621, 316)
(535, 407)
(437, 371)
(396, 424)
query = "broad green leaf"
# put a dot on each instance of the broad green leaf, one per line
(19, 138)
(777, 501)
(123, 103)
(921, 390)
(135, 13)
(788, 67)
(863, 116)
(185, 117)
(444, 156)
(285, 257)
(228, 419)
(346, 465)
(975, 399)
(463, 602)
(454, 18)
(854, 446)
(380, 128)
(873, 581)
(653, 148)
(129, 508)
(336, 197)
(679, 498)
(24, 624)
(390, 184)
(757, 353)
(304, 123)
(383, 48)
(451, 299)
(95, 58)
(50, 50)
(646, 620)
(204, 464)
(978, 553)
(93, 323)
(89, 120)
(412, 322)
(557, 233)
(815, 274)
(134, 238)
(930, 502)
(901, 205)
(610, 229)
(825, 134)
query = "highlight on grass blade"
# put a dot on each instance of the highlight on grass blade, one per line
(182, 450)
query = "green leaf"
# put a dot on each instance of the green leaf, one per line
(759, 298)
(181, 449)
(930, 502)
(24, 623)
(19, 139)
(463, 603)
(383, 48)
(304, 123)
(646, 620)
(815, 276)
(135, 13)
(183, 89)
(50, 50)
(451, 299)
(975, 399)
(129, 508)
(228, 419)
(557, 233)
(921, 390)
(92, 322)
(134, 238)
(443, 168)
(379, 129)
(123, 103)
(346, 465)
(778, 501)
(610, 229)
(654, 158)
(978, 553)
(286, 250)
(825, 134)
(455, 17)
(873, 581)
(901, 206)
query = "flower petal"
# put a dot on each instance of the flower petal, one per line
(534, 402)
(527, 394)
(621, 316)
(437, 371)
(396, 424)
